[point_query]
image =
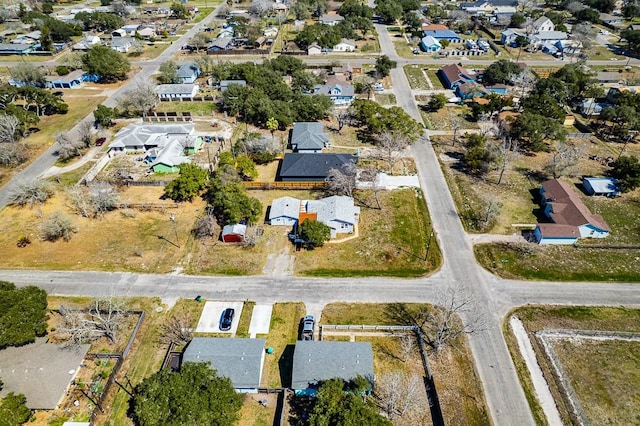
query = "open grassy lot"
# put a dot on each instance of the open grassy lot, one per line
(49, 126)
(283, 333)
(416, 77)
(606, 378)
(385, 99)
(253, 413)
(435, 80)
(604, 374)
(205, 108)
(459, 388)
(391, 242)
(442, 119)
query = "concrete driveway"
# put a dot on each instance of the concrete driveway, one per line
(210, 319)
(260, 319)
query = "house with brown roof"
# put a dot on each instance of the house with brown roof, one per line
(454, 75)
(571, 219)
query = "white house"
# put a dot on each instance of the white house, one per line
(314, 49)
(542, 24)
(345, 45)
(122, 44)
(331, 19)
(337, 212)
(177, 91)
(87, 42)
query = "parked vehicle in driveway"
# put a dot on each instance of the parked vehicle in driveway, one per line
(308, 328)
(100, 141)
(226, 319)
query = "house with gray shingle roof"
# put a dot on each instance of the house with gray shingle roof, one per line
(317, 361)
(340, 94)
(308, 137)
(177, 91)
(337, 212)
(241, 360)
(188, 72)
(297, 167)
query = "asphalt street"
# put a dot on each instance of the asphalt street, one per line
(493, 297)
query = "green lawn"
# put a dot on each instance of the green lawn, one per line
(283, 333)
(195, 108)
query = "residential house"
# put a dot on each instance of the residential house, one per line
(30, 38)
(169, 158)
(454, 75)
(69, 81)
(118, 33)
(572, 220)
(177, 91)
(308, 137)
(611, 20)
(314, 49)
(188, 72)
(147, 33)
(546, 37)
(331, 19)
(17, 49)
(440, 35)
(542, 24)
(87, 42)
(240, 360)
(141, 137)
(130, 30)
(315, 361)
(234, 233)
(224, 84)
(270, 32)
(606, 186)
(430, 44)
(122, 44)
(509, 36)
(284, 211)
(477, 7)
(337, 212)
(569, 47)
(434, 27)
(224, 43)
(608, 77)
(297, 167)
(345, 45)
(340, 94)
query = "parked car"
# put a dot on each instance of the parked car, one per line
(308, 328)
(100, 141)
(226, 319)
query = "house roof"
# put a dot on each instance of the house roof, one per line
(308, 135)
(313, 165)
(138, 134)
(435, 27)
(171, 155)
(453, 72)
(430, 41)
(188, 69)
(554, 230)
(316, 361)
(567, 207)
(314, 45)
(441, 34)
(221, 43)
(8, 47)
(540, 21)
(326, 89)
(234, 229)
(72, 76)
(551, 35)
(240, 360)
(224, 84)
(122, 41)
(603, 185)
(347, 41)
(513, 31)
(334, 208)
(284, 207)
(329, 17)
(180, 88)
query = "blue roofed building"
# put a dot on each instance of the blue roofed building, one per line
(606, 186)
(188, 72)
(440, 35)
(430, 44)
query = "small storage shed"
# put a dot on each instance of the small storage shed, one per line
(234, 233)
(601, 186)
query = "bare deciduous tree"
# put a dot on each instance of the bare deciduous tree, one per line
(396, 394)
(490, 210)
(93, 202)
(85, 133)
(205, 226)
(12, 154)
(585, 33)
(67, 146)
(178, 329)
(389, 147)
(140, 100)
(369, 176)
(343, 117)
(251, 236)
(564, 156)
(342, 181)
(56, 226)
(31, 192)
(442, 324)
(102, 318)
(456, 125)
(9, 125)
(407, 341)
(259, 7)
(508, 152)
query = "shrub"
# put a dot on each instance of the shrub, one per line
(62, 70)
(56, 226)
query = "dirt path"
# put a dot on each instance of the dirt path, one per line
(539, 382)
(495, 238)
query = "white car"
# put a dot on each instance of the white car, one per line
(604, 32)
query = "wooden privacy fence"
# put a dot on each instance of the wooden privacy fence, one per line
(284, 185)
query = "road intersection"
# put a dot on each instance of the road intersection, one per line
(493, 297)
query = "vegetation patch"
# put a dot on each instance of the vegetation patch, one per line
(391, 242)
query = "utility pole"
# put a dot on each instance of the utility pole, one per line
(172, 218)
